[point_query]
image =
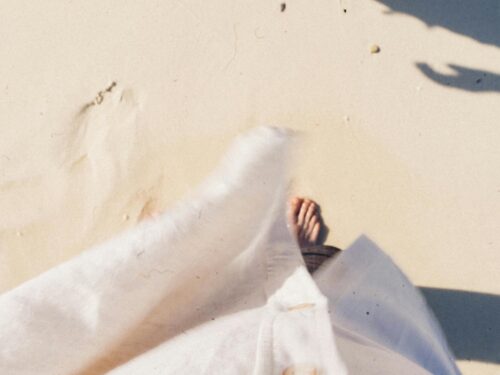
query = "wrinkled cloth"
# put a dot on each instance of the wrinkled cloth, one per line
(217, 285)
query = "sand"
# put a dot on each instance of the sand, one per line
(112, 111)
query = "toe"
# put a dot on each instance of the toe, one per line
(296, 201)
(294, 208)
(309, 231)
(315, 232)
(310, 212)
(311, 224)
(303, 211)
(304, 220)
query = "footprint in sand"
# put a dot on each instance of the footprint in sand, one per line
(102, 129)
(97, 154)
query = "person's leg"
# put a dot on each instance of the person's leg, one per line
(306, 224)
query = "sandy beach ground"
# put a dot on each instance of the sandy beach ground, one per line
(110, 111)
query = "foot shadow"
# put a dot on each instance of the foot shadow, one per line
(325, 230)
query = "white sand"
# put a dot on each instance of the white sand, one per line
(387, 151)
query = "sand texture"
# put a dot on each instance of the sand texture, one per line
(111, 111)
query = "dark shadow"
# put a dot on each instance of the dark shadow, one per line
(476, 19)
(464, 78)
(471, 322)
(325, 230)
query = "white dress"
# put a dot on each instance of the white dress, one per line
(217, 285)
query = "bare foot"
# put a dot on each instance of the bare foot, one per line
(306, 224)
(305, 221)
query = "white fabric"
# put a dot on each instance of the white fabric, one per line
(217, 286)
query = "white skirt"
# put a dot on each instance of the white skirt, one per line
(217, 285)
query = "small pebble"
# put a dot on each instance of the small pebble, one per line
(374, 49)
(19, 234)
(125, 217)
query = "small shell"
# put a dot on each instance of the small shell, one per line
(374, 49)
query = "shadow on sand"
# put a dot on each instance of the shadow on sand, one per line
(476, 19)
(470, 321)
(464, 78)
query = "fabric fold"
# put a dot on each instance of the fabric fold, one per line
(217, 285)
